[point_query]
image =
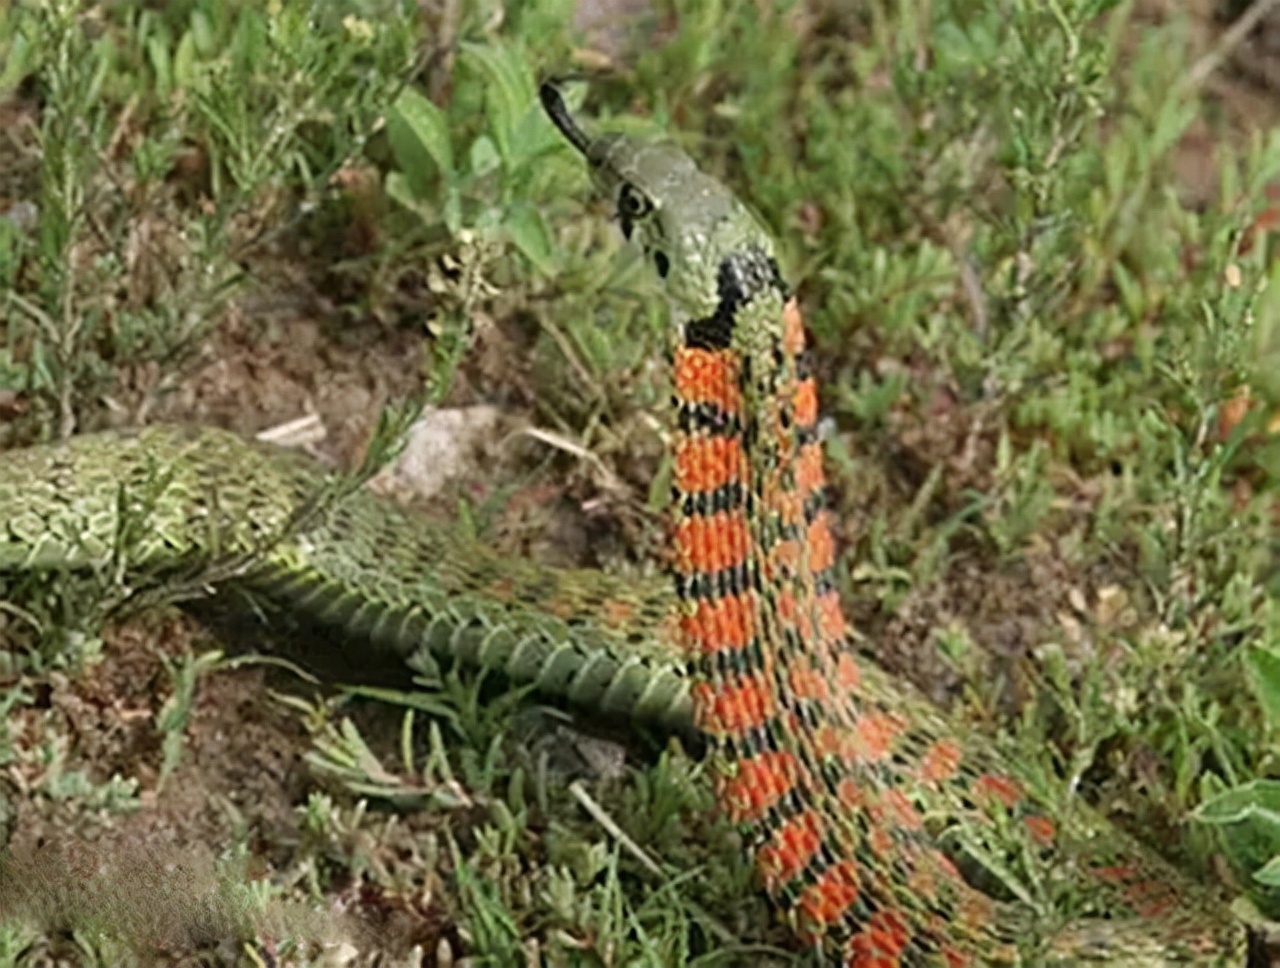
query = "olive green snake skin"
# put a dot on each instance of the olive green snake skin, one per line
(172, 502)
(202, 507)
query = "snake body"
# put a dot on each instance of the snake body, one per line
(200, 506)
(868, 813)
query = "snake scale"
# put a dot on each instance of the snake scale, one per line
(883, 833)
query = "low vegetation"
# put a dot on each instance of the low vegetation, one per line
(1026, 236)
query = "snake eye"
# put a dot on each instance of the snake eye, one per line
(633, 204)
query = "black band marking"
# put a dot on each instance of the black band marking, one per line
(703, 504)
(741, 277)
(707, 418)
(712, 586)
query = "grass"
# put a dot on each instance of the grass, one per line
(1046, 379)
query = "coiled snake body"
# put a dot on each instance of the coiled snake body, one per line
(861, 803)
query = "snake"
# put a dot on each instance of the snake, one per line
(885, 833)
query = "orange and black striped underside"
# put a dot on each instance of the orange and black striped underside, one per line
(807, 773)
(762, 622)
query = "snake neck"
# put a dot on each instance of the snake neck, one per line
(761, 620)
(775, 689)
(754, 553)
